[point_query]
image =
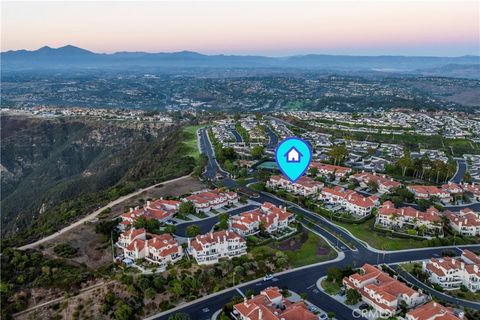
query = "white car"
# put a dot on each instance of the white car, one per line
(268, 277)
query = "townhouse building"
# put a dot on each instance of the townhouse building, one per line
(161, 210)
(427, 192)
(408, 217)
(304, 186)
(473, 189)
(159, 249)
(382, 292)
(466, 222)
(451, 273)
(210, 247)
(272, 218)
(271, 305)
(349, 200)
(432, 311)
(328, 169)
(385, 183)
(214, 199)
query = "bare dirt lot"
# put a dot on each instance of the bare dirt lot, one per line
(94, 249)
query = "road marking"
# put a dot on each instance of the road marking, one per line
(313, 285)
(241, 293)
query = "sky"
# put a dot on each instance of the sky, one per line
(263, 27)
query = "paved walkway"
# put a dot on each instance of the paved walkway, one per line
(96, 213)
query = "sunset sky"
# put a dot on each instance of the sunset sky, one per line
(442, 28)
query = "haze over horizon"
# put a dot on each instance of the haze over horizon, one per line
(421, 28)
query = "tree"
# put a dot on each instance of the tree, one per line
(353, 297)
(331, 315)
(257, 152)
(123, 312)
(313, 171)
(373, 186)
(334, 274)
(170, 228)
(150, 293)
(186, 207)
(338, 153)
(192, 230)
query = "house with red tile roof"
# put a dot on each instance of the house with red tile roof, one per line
(213, 199)
(427, 192)
(381, 291)
(328, 169)
(349, 200)
(273, 218)
(161, 210)
(408, 217)
(431, 311)
(466, 222)
(160, 249)
(210, 247)
(385, 183)
(304, 186)
(451, 273)
(473, 189)
(271, 305)
(130, 235)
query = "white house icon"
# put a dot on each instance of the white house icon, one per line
(293, 155)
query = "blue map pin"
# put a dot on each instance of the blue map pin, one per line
(293, 156)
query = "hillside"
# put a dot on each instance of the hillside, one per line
(55, 170)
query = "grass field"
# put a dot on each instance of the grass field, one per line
(301, 249)
(379, 241)
(191, 141)
(330, 287)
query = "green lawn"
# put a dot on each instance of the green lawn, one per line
(191, 140)
(379, 241)
(330, 287)
(301, 250)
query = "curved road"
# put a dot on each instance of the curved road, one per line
(304, 280)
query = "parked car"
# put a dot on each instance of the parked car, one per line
(322, 316)
(313, 308)
(363, 306)
(268, 277)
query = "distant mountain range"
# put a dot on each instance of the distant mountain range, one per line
(74, 57)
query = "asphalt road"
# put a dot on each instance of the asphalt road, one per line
(461, 169)
(206, 225)
(303, 280)
(237, 135)
(273, 139)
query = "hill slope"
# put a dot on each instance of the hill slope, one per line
(54, 170)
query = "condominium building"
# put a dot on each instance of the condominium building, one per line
(328, 169)
(160, 210)
(304, 186)
(466, 222)
(214, 199)
(349, 200)
(389, 217)
(272, 218)
(385, 184)
(209, 248)
(381, 291)
(451, 273)
(432, 311)
(427, 192)
(271, 305)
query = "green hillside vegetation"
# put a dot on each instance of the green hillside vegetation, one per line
(59, 170)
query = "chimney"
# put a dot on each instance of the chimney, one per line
(260, 314)
(131, 209)
(148, 202)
